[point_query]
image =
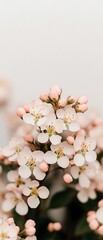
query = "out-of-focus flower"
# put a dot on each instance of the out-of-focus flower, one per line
(85, 193)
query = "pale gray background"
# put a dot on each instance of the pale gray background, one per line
(47, 42)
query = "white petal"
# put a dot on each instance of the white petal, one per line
(99, 215)
(63, 162)
(7, 205)
(43, 137)
(28, 118)
(39, 175)
(43, 192)
(79, 160)
(75, 172)
(74, 126)
(70, 112)
(67, 148)
(60, 113)
(33, 201)
(22, 208)
(92, 194)
(7, 151)
(50, 157)
(41, 121)
(59, 126)
(24, 172)
(77, 143)
(26, 191)
(13, 157)
(12, 175)
(91, 143)
(90, 156)
(33, 184)
(55, 139)
(39, 155)
(84, 181)
(82, 196)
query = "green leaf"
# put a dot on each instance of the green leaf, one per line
(62, 198)
(82, 227)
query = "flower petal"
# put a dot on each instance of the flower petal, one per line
(55, 139)
(84, 181)
(39, 175)
(90, 156)
(28, 118)
(33, 201)
(79, 160)
(42, 137)
(43, 192)
(50, 157)
(74, 126)
(75, 172)
(21, 208)
(24, 172)
(63, 162)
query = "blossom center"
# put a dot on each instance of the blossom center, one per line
(60, 153)
(31, 163)
(3, 236)
(34, 191)
(51, 130)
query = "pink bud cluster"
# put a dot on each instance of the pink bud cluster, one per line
(54, 227)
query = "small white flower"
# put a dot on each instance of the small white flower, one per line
(85, 173)
(68, 115)
(29, 163)
(60, 153)
(14, 200)
(84, 150)
(14, 148)
(34, 192)
(16, 180)
(51, 130)
(85, 193)
(38, 113)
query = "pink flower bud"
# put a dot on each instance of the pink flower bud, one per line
(82, 108)
(70, 140)
(100, 230)
(44, 167)
(50, 227)
(44, 96)
(30, 231)
(67, 178)
(81, 132)
(56, 89)
(94, 224)
(20, 112)
(83, 100)
(10, 221)
(100, 203)
(26, 107)
(30, 223)
(62, 102)
(71, 99)
(57, 226)
(53, 95)
(28, 138)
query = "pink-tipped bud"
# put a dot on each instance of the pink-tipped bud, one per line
(50, 227)
(28, 138)
(67, 178)
(94, 224)
(10, 221)
(26, 107)
(100, 203)
(20, 112)
(62, 102)
(30, 231)
(82, 108)
(83, 100)
(56, 89)
(57, 226)
(81, 132)
(53, 95)
(71, 99)
(97, 122)
(44, 167)
(30, 223)
(70, 140)
(44, 97)
(100, 230)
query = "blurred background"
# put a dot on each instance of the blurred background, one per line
(48, 42)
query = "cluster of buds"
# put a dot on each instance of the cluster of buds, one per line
(95, 219)
(54, 227)
(9, 230)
